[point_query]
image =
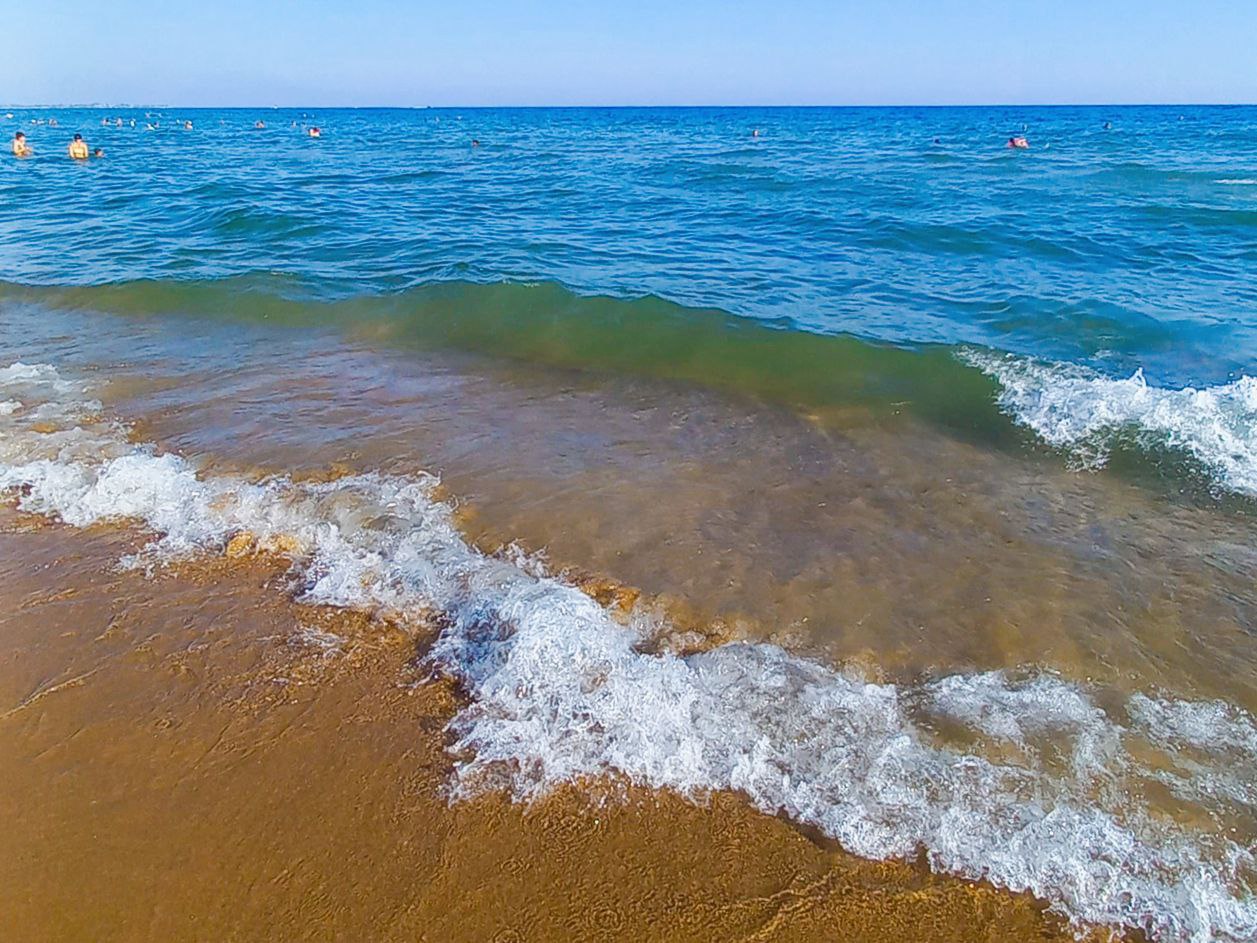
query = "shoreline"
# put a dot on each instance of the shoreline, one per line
(180, 728)
(947, 763)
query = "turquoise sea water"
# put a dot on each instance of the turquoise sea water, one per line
(1129, 246)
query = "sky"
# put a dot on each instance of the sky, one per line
(627, 52)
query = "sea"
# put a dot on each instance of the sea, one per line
(923, 468)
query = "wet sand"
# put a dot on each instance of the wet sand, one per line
(190, 756)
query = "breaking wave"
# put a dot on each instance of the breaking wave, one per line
(1088, 414)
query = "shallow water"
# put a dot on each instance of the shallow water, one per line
(902, 567)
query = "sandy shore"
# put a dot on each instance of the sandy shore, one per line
(194, 756)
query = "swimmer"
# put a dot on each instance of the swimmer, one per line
(314, 132)
(755, 132)
(187, 126)
(1019, 142)
(52, 122)
(99, 152)
(20, 147)
(133, 122)
(475, 143)
(1108, 126)
(259, 124)
(117, 123)
(78, 148)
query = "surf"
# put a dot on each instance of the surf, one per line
(1021, 778)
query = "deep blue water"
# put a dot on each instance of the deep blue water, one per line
(1121, 247)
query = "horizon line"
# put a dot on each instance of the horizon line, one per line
(518, 107)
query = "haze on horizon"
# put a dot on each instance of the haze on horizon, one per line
(562, 52)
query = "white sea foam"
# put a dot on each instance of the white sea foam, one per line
(326, 643)
(1075, 408)
(1211, 746)
(1239, 182)
(1024, 781)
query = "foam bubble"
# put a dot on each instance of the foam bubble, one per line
(1211, 748)
(326, 644)
(1023, 781)
(1075, 408)
(1030, 716)
(20, 375)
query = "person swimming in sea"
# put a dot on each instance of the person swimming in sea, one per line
(20, 147)
(259, 124)
(1019, 142)
(187, 126)
(78, 148)
(314, 132)
(99, 152)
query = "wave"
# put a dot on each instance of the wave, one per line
(547, 324)
(1023, 780)
(969, 393)
(1077, 409)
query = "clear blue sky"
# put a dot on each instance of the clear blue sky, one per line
(563, 52)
